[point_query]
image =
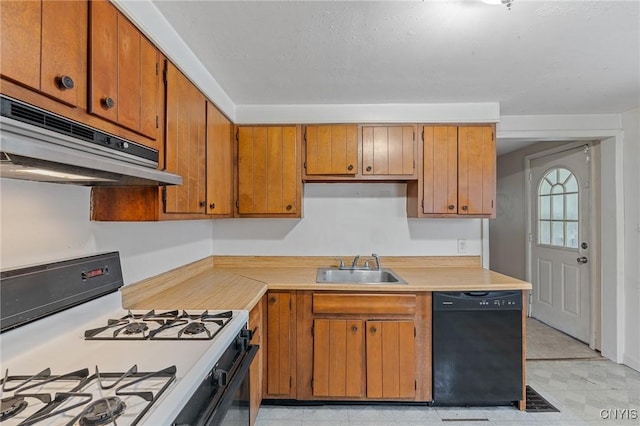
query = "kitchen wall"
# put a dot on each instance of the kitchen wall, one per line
(345, 219)
(42, 222)
(631, 127)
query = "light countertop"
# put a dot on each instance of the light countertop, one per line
(221, 283)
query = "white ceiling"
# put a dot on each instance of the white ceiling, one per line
(540, 57)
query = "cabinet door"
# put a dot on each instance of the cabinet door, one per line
(185, 144)
(388, 150)
(391, 359)
(64, 50)
(280, 356)
(21, 35)
(476, 170)
(255, 372)
(124, 71)
(440, 169)
(219, 163)
(268, 176)
(331, 150)
(338, 357)
(42, 42)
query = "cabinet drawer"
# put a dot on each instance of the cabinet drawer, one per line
(392, 304)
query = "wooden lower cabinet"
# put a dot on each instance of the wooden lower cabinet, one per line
(348, 350)
(338, 358)
(255, 372)
(391, 359)
(280, 345)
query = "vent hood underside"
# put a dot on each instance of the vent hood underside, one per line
(40, 146)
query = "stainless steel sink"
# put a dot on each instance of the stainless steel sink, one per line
(358, 276)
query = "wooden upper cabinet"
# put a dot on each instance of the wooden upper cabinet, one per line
(269, 181)
(44, 47)
(185, 147)
(219, 163)
(459, 171)
(440, 169)
(476, 170)
(124, 71)
(391, 359)
(338, 357)
(389, 151)
(331, 149)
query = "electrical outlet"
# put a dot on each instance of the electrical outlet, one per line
(462, 246)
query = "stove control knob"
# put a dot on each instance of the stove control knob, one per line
(245, 332)
(219, 377)
(242, 343)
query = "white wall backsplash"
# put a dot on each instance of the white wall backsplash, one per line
(345, 219)
(43, 222)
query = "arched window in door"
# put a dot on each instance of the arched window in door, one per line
(558, 209)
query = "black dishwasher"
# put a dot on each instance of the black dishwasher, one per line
(477, 347)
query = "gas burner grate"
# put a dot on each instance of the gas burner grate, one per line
(169, 325)
(99, 399)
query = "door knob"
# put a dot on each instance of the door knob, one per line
(582, 259)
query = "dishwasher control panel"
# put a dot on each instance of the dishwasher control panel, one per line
(477, 301)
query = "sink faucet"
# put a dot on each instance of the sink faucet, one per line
(354, 264)
(377, 259)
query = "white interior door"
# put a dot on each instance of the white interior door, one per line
(560, 245)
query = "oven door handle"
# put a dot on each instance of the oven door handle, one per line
(219, 407)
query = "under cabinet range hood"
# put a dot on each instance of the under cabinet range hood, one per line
(42, 146)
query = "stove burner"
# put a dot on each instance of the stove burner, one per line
(103, 411)
(195, 328)
(135, 328)
(170, 325)
(10, 407)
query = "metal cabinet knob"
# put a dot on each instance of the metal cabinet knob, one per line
(465, 208)
(373, 330)
(212, 206)
(369, 168)
(354, 329)
(350, 167)
(64, 82)
(582, 259)
(289, 207)
(451, 207)
(272, 300)
(108, 102)
(203, 203)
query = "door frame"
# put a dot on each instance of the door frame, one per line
(606, 129)
(593, 236)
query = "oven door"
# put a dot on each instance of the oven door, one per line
(221, 400)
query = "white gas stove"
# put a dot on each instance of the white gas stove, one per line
(69, 369)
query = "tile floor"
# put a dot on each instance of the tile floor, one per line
(579, 388)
